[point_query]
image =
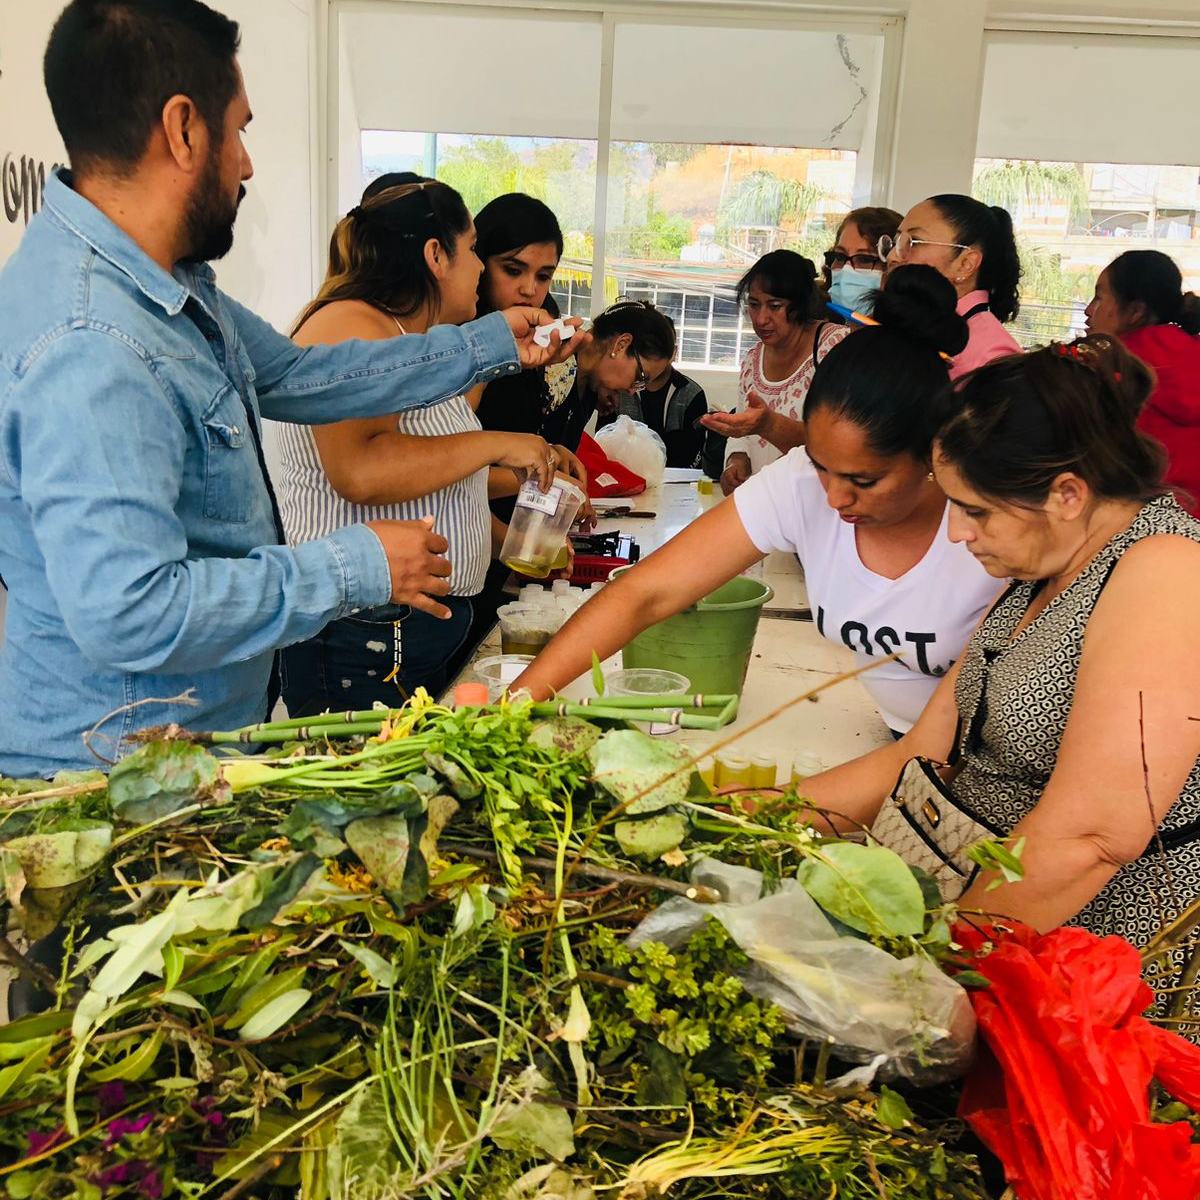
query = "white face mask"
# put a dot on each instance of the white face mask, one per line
(851, 288)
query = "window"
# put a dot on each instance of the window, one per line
(1072, 219)
(1072, 212)
(684, 214)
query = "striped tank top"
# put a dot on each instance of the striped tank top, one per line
(310, 508)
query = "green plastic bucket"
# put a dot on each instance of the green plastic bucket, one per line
(710, 642)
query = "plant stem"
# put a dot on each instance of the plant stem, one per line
(692, 891)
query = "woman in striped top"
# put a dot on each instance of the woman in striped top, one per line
(401, 261)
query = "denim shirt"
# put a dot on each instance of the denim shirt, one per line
(137, 533)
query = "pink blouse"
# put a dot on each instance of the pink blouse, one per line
(988, 337)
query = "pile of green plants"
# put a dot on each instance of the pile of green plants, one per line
(395, 963)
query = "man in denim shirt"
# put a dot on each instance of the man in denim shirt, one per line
(138, 532)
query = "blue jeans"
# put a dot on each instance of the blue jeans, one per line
(346, 667)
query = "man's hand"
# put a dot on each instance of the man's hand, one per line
(754, 419)
(528, 455)
(414, 553)
(737, 471)
(523, 321)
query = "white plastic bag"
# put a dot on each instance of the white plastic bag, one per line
(904, 1016)
(635, 445)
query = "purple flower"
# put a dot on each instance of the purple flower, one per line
(116, 1175)
(110, 1097)
(216, 1119)
(39, 1143)
(151, 1186)
(123, 1127)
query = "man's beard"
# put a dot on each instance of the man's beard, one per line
(209, 219)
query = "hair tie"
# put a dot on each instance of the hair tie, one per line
(356, 213)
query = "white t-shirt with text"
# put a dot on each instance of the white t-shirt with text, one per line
(927, 614)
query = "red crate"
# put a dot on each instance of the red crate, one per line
(595, 568)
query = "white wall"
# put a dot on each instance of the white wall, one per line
(271, 267)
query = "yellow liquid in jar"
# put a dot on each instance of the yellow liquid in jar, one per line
(537, 568)
(733, 769)
(708, 772)
(762, 772)
(533, 649)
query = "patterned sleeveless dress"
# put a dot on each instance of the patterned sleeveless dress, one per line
(1014, 696)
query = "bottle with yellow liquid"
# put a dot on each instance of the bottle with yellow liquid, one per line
(763, 771)
(539, 570)
(733, 770)
(537, 533)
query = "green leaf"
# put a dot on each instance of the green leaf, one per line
(597, 675)
(60, 857)
(564, 735)
(181, 999)
(23, 1184)
(653, 836)
(455, 873)
(868, 888)
(972, 979)
(461, 784)
(280, 889)
(892, 1109)
(36, 1026)
(139, 952)
(663, 1083)
(274, 1016)
(474, 910)
(363, 1160)
(629, 764)
(159, 779)
(134, 1065)
(380, 970)
(543, 1127)
(382, 845)
(264, 993)
(172, 965)
(19, 1073)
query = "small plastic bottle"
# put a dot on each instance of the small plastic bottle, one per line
(807, 763)
(762, 771)
(561, 587)
(733, 769)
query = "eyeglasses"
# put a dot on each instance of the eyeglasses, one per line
(902, 243)
(836, 259)
(641, 379)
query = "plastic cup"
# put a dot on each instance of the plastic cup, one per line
(645, 681)
(537, 534)
(526, 628)
(499, 670)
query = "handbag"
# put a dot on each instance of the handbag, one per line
(923, 823)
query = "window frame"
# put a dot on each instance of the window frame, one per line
(874, 158)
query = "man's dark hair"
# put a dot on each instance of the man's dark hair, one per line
(111, 66)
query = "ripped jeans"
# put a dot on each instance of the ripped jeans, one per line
(346, 667)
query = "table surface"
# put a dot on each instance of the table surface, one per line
(789, 656)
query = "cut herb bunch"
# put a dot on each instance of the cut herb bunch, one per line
(395, 962)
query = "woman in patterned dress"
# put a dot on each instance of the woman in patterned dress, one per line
(787, 310)
(1071, 717)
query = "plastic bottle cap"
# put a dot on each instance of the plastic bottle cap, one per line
(468, 695)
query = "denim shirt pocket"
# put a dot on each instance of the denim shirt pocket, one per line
(231, 468)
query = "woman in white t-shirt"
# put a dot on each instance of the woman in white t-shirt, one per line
(787, 310)
(859, 506)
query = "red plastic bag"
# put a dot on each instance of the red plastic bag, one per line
(1060, 1091)
(606, 477)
